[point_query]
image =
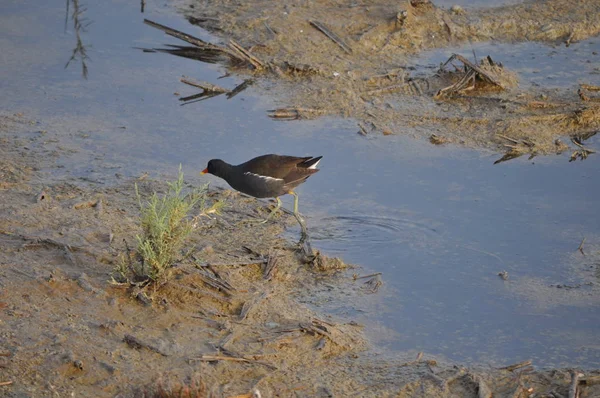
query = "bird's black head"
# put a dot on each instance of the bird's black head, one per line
(215, 167)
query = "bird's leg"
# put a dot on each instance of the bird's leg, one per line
(295, 201)
(304, 239)
(273, 211)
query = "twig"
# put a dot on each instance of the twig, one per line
(573, 393)
(239, 88)
(483, 74)
(37, 241)
(204, 85)
(569, 39)
(355, 277)
(363, 131)
(187, 38)
(574, 141)
(235, 263)
(269, 271)
(248, 305)
(373, 284)
(295, 113)
(269, 29)
(198, 97)
(419, 360)
(516, 366)
(580, 248)
(79, 25)
(136, 343)
(215, 282)
(246, 55)
(5, 383)
(332, 36)
(211, 358)
(507, 138)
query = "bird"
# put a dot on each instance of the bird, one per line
(266, 176)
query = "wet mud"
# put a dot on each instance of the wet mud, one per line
(69, 328)
(352, 60)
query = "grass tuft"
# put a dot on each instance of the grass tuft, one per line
(166, 223)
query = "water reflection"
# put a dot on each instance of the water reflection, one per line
(80, 24)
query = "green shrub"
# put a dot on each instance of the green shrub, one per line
(166, 223)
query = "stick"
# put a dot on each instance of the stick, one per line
(516, 366)
(269, 29)
(373, 284)
(363, 131)
(203, 85)
(270, 267)
(367, 276)
(216, 283)
(483, 74)
(569, 39)
(6, 383)
(507, 138)
(332, 36)
(136, 343)
(295, 113)
(236, 263)
(248, 305)
(185, 37)
(580, 248)
(239, 88)
(244, 54)
(197, 97)
(574, 383)
(210, 358)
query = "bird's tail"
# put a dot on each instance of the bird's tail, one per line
(311, 163)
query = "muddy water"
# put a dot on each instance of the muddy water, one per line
(440, 223)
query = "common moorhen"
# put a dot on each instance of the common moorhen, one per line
(267, 176)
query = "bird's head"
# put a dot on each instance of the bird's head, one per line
(214, 167)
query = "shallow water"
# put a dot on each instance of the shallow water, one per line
(440, 223)
(537, 64)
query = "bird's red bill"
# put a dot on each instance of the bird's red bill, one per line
(204, 171)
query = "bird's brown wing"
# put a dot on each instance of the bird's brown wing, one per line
(276, 166)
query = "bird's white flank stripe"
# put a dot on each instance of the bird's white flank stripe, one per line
(314, 166)
(266, 178)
